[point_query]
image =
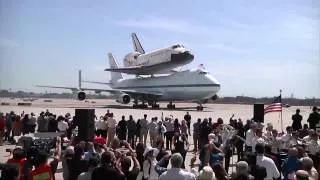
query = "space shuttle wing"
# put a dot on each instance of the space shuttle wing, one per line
(140, 70)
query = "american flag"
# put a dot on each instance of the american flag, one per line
(275, 106)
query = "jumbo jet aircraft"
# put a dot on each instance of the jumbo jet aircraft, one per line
(190, 85)
(156, 62)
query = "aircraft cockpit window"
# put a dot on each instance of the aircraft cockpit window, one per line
(203, 72)
(176, 46)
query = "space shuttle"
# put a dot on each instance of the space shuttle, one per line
(156, 62)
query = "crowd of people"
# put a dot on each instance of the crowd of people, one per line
(121, 150)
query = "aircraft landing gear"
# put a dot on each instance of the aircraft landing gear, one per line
(200, 108)
(136, 105)
(153, 104)
(171, 106)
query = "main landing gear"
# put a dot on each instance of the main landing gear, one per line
(143, 105)
(171, 106)
(200, 108)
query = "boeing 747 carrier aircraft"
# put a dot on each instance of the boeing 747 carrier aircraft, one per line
(190, 85)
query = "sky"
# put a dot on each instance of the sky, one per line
(253, 48)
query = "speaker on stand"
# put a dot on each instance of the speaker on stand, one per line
(86, 125)
(258, 113)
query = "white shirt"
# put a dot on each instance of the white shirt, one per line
(249, 137)
(112, 123)
(144, 125)
(62, 126)
(177, 174)
(272, 171)
(153, 127)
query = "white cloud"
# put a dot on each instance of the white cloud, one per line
(230, 49)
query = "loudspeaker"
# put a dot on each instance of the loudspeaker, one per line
(258, 113)
(86, 125)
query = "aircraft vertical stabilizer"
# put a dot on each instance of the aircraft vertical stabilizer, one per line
(113, 64)
(136, 44)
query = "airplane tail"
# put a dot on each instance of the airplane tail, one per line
(136, 44)
(113, 64)
(79, 80)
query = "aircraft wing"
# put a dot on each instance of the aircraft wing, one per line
(126, 91)
(59, 87)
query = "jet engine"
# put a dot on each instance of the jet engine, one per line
(81, 95)
(123, 99)
(215, 97)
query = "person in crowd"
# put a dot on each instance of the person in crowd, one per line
(17, 126)
(139, 151)
(149, 164)
(258, 138)
(304, 131)
(313, 147)
(184, 128)
(250, 137)
(9, 120)
(32, 123)
(239, 141)
(42, 122)
(176, 172)
(132, 131)
(269, 129)
(204, 133)
(210, 124)
(153, 131)
(286, 139)
(206, 174)
(196, 134)
(176, 126)
(161, 129)
(181, 146)
(169, 133)
(92, 164)
(143, 129)
(62, 124)
(187, 118)
(53, 123)
(25, 124)
(296, 121)
(263, 161)
(126, 164)
(2, 128)
(91, 152)
(112, 125)
(307, 165)
(9, 172)
(314, 118)
(109, 168)
(122, 129)
(268, 153)
(291, 164)
(301, 175)
(98, 126)
(242, 172)
(76, 164)
(137, 135)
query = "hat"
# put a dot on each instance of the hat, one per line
(206, 174)
(148, 149)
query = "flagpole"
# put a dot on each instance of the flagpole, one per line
(281, 110)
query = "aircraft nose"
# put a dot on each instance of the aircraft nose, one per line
(183, 56)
